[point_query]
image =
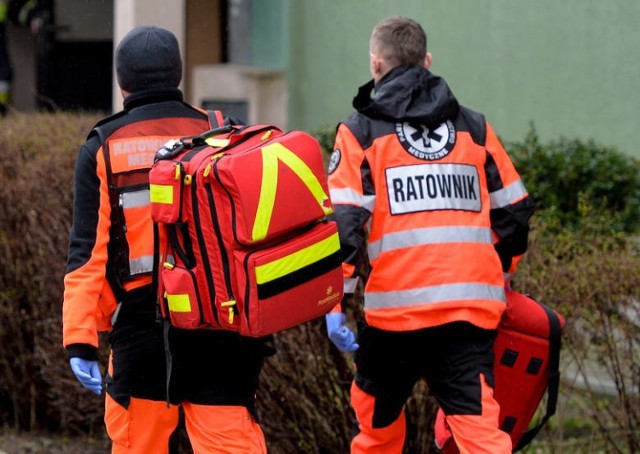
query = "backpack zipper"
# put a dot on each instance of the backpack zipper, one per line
(223, 254)
(247, 291)
(233, 205)
(203, 251)
(198, 297)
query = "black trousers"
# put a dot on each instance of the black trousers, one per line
(207, 367)
(448, 357)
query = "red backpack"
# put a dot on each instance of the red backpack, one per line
(244, 241)
(527, 356)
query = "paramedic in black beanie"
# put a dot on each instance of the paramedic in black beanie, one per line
(213, 375)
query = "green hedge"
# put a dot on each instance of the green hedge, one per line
(571, 179)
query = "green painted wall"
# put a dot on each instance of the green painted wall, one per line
(270, 36)
(570, 67)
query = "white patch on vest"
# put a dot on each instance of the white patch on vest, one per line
(428, 187)
(143, 145)
(140, 152)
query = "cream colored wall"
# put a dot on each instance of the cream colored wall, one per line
(264, 90)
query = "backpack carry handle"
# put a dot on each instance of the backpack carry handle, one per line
(202, 138)
(175, 146)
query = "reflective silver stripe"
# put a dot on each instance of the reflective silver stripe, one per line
(141, 265)
(506, 196)
(430, 235)
(434, 294)
(348, 196)
(350, 285)
(134, 199)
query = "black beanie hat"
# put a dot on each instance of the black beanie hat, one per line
(148, 57)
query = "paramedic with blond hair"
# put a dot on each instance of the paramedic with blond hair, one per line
(213, 375)
(423, 190)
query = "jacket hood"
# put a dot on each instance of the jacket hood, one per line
(410, 94)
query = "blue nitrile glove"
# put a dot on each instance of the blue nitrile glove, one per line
(88, 373)
(339, 333)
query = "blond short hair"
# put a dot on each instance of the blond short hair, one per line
(401, 41)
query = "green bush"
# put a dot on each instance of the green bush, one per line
(568, 176)
(326, 137)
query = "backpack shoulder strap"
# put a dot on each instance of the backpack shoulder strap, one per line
(216, 119)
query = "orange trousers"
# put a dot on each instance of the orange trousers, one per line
(145, 427)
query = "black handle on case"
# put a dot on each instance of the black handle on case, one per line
(201, 139)
(175, 147)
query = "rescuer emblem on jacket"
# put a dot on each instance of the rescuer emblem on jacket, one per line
(334, 160)
(424, 143)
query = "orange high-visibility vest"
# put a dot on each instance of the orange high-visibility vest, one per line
(121, 257)
(425, 210)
